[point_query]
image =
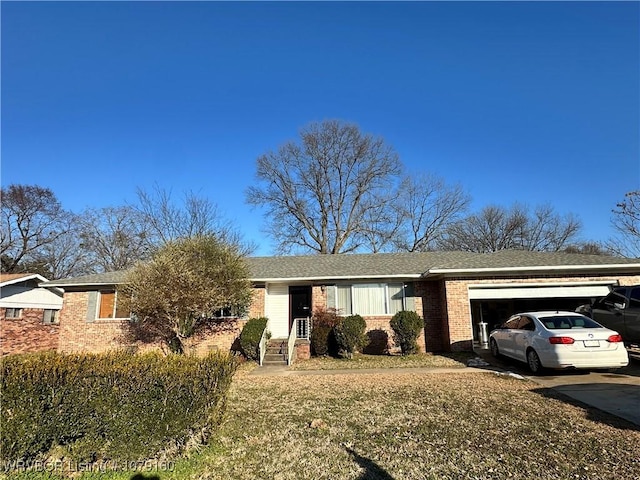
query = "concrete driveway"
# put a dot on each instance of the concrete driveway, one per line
(615, 392)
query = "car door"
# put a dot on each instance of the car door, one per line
(506, 334)
(631, 333)
(521, 338)
(608, 312)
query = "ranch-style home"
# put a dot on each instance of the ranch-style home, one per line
(29, 314)
(453, 291)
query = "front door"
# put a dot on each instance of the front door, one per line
(300, 297)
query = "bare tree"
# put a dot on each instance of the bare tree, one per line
(497, 228)
(588, 248)
(66, 256)
(547, 231)
(194, 216)
(626, 223)
(31, 219)
(114, 238)
(426, 208)
(321, 193)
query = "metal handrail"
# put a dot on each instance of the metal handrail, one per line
(262, 346)
(303, 327)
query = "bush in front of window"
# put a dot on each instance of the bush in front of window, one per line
(250, 337)
(110, 408)
(406, 327)
(350, 335)
(322, 338)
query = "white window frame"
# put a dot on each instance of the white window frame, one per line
(54, 316)
(115, 306)
(352, 309)
(13, 315)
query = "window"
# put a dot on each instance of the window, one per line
(370, 299)
(13, 313)
(634, 298)
(526, 323)
(512, 323)
(109, 306)
(51, 317)
(228, 312)
(573, 321)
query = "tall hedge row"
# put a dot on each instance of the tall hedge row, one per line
(109, 408)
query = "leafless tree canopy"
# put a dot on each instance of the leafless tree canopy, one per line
(32, 218)
(497, 228)
(114, 238)
(322, 193)
(166, 219)
(427, 206)
(626, 222)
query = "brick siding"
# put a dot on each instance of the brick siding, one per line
(27, 333)
(96, 336)
(444, 305)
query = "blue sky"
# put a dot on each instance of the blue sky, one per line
(535, 102)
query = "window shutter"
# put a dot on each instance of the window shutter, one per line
(92, 303)
(409, 299)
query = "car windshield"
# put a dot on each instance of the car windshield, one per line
(573, 321)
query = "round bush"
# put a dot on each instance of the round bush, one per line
(350, 335)
(406, 327)
(250, 337)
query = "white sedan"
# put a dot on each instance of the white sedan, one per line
(558, 340)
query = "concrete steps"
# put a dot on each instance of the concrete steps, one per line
(276, 354)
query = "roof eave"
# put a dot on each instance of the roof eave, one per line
(334, 278)
(533, 269)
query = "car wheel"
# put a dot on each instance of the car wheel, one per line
(533, 360)
(495, 351)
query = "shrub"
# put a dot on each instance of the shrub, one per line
(406, 326)
(322, 338)
(109, 408)
(377, 342)
(350, 335)
(250, 337)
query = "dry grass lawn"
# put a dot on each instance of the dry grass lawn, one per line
(415, 426)
(406, 425)
(361, 361)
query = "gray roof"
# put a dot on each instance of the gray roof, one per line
(400, 265)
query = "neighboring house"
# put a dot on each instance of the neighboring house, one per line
(452, 291)
(29, 314)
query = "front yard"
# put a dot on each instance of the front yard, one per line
(361, 361)
(406, 425)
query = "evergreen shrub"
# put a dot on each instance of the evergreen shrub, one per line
(350, 335)
(109, 408)
(250, 337)
(406, 327)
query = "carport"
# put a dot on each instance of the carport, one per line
(494, 303)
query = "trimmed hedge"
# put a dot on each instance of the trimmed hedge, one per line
(109, 408)
(350, 335)
(250, 337)
(406, 326)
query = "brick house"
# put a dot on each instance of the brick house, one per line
(452, 291)
(29, 314)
